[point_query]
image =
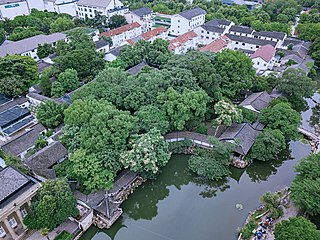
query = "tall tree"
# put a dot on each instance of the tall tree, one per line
(227, 113)
(305, 188)
(236, 71)
(296, 85)
(296, 228)
(181, 108)
(268, 145)
(61, 24)
(281, 116)
(44, 50)
(117, 21)
(53, 205)
(148, 154)
(17, 74)
(50, 113)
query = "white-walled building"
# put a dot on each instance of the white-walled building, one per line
(12, 8)
(277, 37)
(181, 44)
(216, 45)
(187, 21)
(212, 30)
(241, 31)
(263, 58)
(61, 6)
(143, 16)
(247, 44)
(160, 32)
(121, 34)
(29, 46)
(108, 8)
(102, 46)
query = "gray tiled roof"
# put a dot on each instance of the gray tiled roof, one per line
(101, 43)
(41, 161)
(212, 26)
(137, 68)
(223, 22)
(116, 51)
(94, 3)
(23, 142)
(189, 14)
(29, 44)
(292, 41)
(142, 11)
(11, 180)
(244, 133)
(241, 29)
(250, 40)
(258, 100)
(277, 35)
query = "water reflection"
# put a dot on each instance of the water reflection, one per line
(261, 171)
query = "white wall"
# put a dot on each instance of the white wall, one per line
(259, 64)
(192, 43)
(181, 25)
(37, 4)
(90, 11)
(14, 9)
(145, 22)
(120, 39)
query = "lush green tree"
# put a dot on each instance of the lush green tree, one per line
(308, 31)
(268, 145)
(87, 62)
(53, 205)
(305, 188)
(227, 113)
(152, 117)
(17, 74)
(180, 108)
(248, 115)
(272, 203)
(212, 163)
(20, 33)
(45, 85)
(67, 81)
(281, 116)
(40, 143)
(57, 89)
(2, 35)
(90, 171)
(236, 71)
(50, 113)
(44, 50)
(61, 24)
(148, 154)
(296, 85)
(117, 21)
(14, 161)
(296, 228)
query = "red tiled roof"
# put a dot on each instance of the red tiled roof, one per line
(216, 45)
(120, 30)
(130, 42)
(179, 41)
(265, 52)
(153, 33)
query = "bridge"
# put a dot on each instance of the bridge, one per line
(197, 138)
(313, 137)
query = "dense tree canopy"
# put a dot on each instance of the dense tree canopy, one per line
(306, 185)
(17, 74)
(149, 152)
(236, 71)
(117, 21)
(268, 145)
(67, 81)
(296, 85)
(227, 113)
(281, 116)
(296, 228)
(212, 163)
(50, 113)
(54, 203)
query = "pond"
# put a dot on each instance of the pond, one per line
(178, 205)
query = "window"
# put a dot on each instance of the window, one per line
(207, 32)
(24, 212)
(258, 63)
(265, 65)
(2, 232)
(237, 43)
(202, 31)
(178, 20)
(85, 9)
(257, 46)
(90, 10)
(243, 44)
(12, 221)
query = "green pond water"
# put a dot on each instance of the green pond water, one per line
(178, 205)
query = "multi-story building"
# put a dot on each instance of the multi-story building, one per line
(17, 191)
(150, 36)
(181, 44)
(241, 31)
(212, 30)
(12, 8)
(29, 46)
(61, 6)
(121, 34)
(108, 8)
(277, 37)
(143, 16)
(187, 21)
(263, 58)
